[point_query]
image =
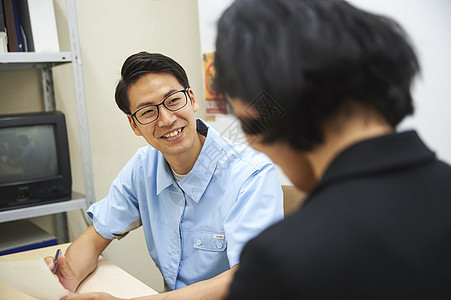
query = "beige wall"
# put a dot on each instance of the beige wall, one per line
(109, 31)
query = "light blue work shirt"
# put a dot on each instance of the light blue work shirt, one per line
(196, 228)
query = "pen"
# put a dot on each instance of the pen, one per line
(58, 253)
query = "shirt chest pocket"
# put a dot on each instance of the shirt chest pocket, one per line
(210, 241)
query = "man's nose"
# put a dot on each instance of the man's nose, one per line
(166, 117)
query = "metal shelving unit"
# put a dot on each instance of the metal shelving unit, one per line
(45, 62)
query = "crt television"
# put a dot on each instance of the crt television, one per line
(34, 160)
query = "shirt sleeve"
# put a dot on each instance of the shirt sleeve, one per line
(118, 213)
(260, 204)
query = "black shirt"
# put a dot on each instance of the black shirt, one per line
(377, 226)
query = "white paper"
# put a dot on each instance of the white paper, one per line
(32, 277)
(43, 26)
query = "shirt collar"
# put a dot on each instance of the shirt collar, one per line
(377, 155)
(196, 181)
(164, 173)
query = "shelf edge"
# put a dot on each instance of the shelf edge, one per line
(22, 58)
(42, 210)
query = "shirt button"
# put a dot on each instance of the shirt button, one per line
(219, 245)
(198, 242)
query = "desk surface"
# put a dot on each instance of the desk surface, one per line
(107, 277)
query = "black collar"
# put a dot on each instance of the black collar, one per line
(384, 153)
(201, 127)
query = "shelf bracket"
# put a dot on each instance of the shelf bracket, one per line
(47, 86)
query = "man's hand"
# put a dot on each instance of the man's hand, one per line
(90, 296)
(80, 258)
(64, 273)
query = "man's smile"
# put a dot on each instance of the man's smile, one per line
(173, 134)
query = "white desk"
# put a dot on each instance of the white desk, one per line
(107, 277)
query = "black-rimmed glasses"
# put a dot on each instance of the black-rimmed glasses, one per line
(173, 102)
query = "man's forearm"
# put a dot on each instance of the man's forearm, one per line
(82, 255)
(215, 288)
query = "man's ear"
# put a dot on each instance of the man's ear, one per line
(133, 125)
(193, 100)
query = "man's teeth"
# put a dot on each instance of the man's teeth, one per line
(173, 134)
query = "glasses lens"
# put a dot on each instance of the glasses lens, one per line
(147, 114)
(176, 101)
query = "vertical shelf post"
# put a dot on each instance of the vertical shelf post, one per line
(81, 104)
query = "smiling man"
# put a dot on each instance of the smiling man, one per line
(198, 196)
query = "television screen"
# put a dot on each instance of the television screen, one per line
(27, 153)
(34, 160)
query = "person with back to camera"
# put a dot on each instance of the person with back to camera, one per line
(377, 221)
(198, 196)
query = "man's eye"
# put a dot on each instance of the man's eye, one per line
(173, 101)
(147, 112)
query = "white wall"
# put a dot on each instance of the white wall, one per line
(429, 26)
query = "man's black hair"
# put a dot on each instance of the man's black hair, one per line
(143, 63)
(311, 57)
